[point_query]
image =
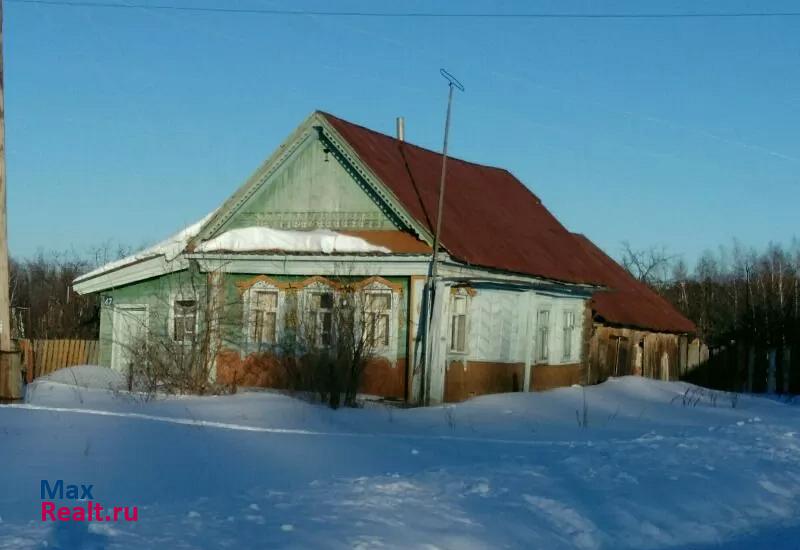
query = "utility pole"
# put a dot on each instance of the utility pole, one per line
(9, 367)
(430, 287)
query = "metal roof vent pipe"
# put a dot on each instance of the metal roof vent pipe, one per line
(401, 129)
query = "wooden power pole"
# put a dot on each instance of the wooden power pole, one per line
(10, 380)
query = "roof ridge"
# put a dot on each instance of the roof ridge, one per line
(410, 144)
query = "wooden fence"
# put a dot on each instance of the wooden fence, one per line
(748, 367)
(42, 357)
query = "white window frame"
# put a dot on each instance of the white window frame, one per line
(542, 352)
(309, 293)
(454, 300)
(389, 313)
(171, 317)
(248, 328)
(568, 335)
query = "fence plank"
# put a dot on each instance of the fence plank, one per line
(55, 350)
(46, 352)
(51, 358)
(81, 359)
(38, 346)
(45, 356)
(71, 347)
(64, 353)
(43, 361)
(61, 355)
(94, 356)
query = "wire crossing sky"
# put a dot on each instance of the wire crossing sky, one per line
(671, 124)
(444, 14)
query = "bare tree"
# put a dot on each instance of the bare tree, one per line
(748, 299)
(650, 265)
(43, 302)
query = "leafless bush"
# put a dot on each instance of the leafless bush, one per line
(690, 397)
(693, 396)
(329, 341)
(450, 416)
(159, 365)
(582, 416)
(171, 350)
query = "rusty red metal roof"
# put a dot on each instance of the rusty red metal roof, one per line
(629, 302)
(492, 220)
(399, 242)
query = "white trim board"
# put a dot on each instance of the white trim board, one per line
(132, 273)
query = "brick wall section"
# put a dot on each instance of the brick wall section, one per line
(384, 379)
(380, 377)
(468, 379)
(547, 377)
(254, 370)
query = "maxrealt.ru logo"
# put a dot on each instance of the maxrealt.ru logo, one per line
(83, 506)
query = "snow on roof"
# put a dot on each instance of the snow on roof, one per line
(247, 239)
(251, 239)
(169, 248)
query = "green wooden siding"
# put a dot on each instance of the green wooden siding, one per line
(232, 325)
(311, 190)
(155, 293)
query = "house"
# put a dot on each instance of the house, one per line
(634, 329)
(518, 305)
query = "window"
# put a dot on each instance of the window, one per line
(263, 310)
(321, 317)
(458, 325)
(543, 335)
(378, 319)
(184, 319)
(569, 330)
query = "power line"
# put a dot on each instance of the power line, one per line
(395, 14)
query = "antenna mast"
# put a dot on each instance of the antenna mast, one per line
(452, 82)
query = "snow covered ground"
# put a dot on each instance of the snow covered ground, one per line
(654, 468)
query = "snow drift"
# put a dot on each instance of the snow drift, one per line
(85, 376)
(656, 465)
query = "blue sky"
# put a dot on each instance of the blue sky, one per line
(124, 125)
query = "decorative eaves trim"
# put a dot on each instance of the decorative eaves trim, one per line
(394, 287)
(344, 154)
(247, 284)
(253, 183)
(316, 280)
(353, 164)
